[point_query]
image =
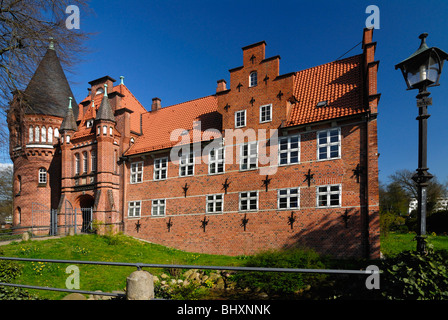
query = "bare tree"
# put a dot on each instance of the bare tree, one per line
(6, 192)
(26, 27)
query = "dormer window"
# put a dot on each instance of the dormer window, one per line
(99, 91)
(253, 79)
(89, 123)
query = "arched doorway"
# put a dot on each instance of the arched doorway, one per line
(86, 204)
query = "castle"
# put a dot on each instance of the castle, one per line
(268, 161)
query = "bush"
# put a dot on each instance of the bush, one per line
(281, 282)
(8, 272)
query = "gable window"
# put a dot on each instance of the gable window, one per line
(329, 144)
(253, 79)
(137, 172)
(160, 168)
(42, 176)
(248, 201)
(214, 203)
(216, 160)
(240, 119)
(89, 123)
(249, 156)
(134, 208)
(158, 208)
(329, 196)
(186, 164)
(288, 198)
(77, 164)
(266, 113)
(289, 150)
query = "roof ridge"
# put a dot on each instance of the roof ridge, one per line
(323, 64)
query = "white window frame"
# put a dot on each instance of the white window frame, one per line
(289, 150)
(213, 200)
(93, 160)
(159, 168)
(263, 112)
(136, 172)
(216, 159)
(186, 160)
(42, 177)
(85, 162)
(158, 205)
(43, 134)
(240, 118)
(288, 195)
(50, 134)
(31, 134)
(253, 79)
(36, 134)
(328, 144)
(77, 163)
(248, 196)
(249, 157)
(134, 209)
(328, 193)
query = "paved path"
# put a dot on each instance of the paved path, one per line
(2, 243)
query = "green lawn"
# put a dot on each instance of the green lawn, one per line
(395, 243)
(98, 248)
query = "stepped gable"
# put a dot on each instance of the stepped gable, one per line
(48, 90)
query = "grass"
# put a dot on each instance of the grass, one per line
(395, 243)
(118, 248)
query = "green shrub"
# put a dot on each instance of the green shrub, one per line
(8, 272)
(281, 282)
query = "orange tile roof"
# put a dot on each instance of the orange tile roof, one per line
(338, 82)
(159, 125)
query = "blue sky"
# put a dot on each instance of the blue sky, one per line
(177, 50)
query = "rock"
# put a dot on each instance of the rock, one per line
(185, 283)
(155, 279)
(214, 276)
(74, 296)
(25, 236)
(220, 283)
(164, 276)
(189, 272)
(204, 278)
(140, 286)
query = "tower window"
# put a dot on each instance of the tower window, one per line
(42, 176)
(36, 134)
(44, 134)
(50, 135)
(253, 79)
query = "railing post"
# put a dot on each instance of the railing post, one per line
(140, 286)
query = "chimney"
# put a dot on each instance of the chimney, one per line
(156, 105)
(221, 85)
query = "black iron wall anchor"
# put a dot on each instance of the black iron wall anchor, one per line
(226, 185)
(227, 107)
(239, 87)
(358, 171)
(138, 226)
(185, 187)
(279, 95)
(308, 177)
(252, 101)
(169, 224)
(204, 223)
(244, 222)
(346, 217)
(266, 182)
(291, 220)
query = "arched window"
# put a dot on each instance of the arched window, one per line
(36, 134)
(30, 134)
(56, 133)
(77, 164)
(44, 134)
(253, 79)
(93, 160)
(50, 135)
(42, 176)
(84, 162)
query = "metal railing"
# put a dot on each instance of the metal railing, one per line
(139, 266)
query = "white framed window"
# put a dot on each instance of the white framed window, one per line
(249, 156)
(134, 209)
(30, 134)
(186, 164)
(248, 201)
(216, 160)
(56, 133)
(42, 176)
(111, 131)
(93, 160)
(50, 135)
(253, 79)
(266, 113)
(44, 134)
(36, 134)
(160, 168)
(329, 196)
(77, 164)
(289, 150)
(89, 123)
(84, 162)
(158, 207)
(137, 172)
(104, 130)
(329, 144)
(240, 119)
(214, 203)
(288, 198)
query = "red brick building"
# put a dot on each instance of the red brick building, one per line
(267, 161)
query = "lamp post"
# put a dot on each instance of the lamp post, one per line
(420, 71)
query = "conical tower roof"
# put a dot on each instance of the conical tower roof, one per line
(69, 122)
(105, 110)
(48, 89)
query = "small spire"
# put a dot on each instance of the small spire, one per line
(121, 79)
(51, 45)
(105, 90)
(93, 103)
(70, 102)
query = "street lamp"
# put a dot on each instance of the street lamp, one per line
(420, 71)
